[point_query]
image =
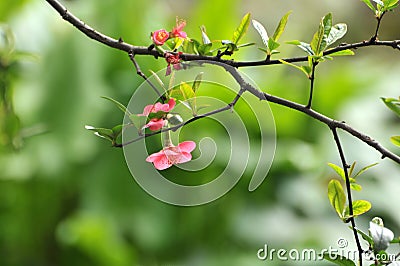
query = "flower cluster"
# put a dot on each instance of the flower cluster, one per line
(157, 122)
(170, 154)
(159, 37)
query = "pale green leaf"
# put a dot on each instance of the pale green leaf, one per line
(355, 186)
(342, 53)
(392, 104)
(118, 104)
(395, 140)
(360, 207)
(157, 78)
(304, 46)
(336, 196)
(369, 4)
(197, 82)
(204, 36)
(242, 29)
(319, 41)
(336, 32)
(338, 170)
(302, 69)
(281, 27)
(261, 31)
(362, 170)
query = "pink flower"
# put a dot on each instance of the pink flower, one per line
(158, 122)
(155, 124)
(172, 155)
(159, 107)
(160, 37)
(177, 30)
(173, 59)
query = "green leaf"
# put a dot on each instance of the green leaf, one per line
(118, 104)
(187, 90)
(352, 168)
(261, 31)
(336, 32)
(360, 207)
(393, 104)
(338, 259)
(105, 133)
(272, 44)
(369, 4)
(204, 49)
(159, 81)
(342, 53)
(178, 43)
(365, 236)
(390, 4)
(338, 170)
(138, 121)
(336, 196)
(364, 169)
(242, 29)
(395, 241)
(281, 27)
(304, 46)
(302, 68)
(204, 36)
(245, 44)
(320, 39)
(355, 187)
(395, 140)
(197, 82)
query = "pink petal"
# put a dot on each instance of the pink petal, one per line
(168, 70)
(183, 158)
(187, 146)
(162, 163)
(155, 156)
(155, 124)
(177, 66)
(171, 104)
(147, 109)
(182, 34)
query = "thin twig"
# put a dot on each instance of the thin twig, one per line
(140, 73)
(174, 128)
(378, 24)
(312, 79)
(348, 188)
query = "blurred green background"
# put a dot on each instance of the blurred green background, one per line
(67, 197)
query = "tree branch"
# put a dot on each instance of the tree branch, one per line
(142, 50)
(314, 114)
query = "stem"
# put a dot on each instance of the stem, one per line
(312, 79)
(379, 19)
(140, 73)
(349, 197)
